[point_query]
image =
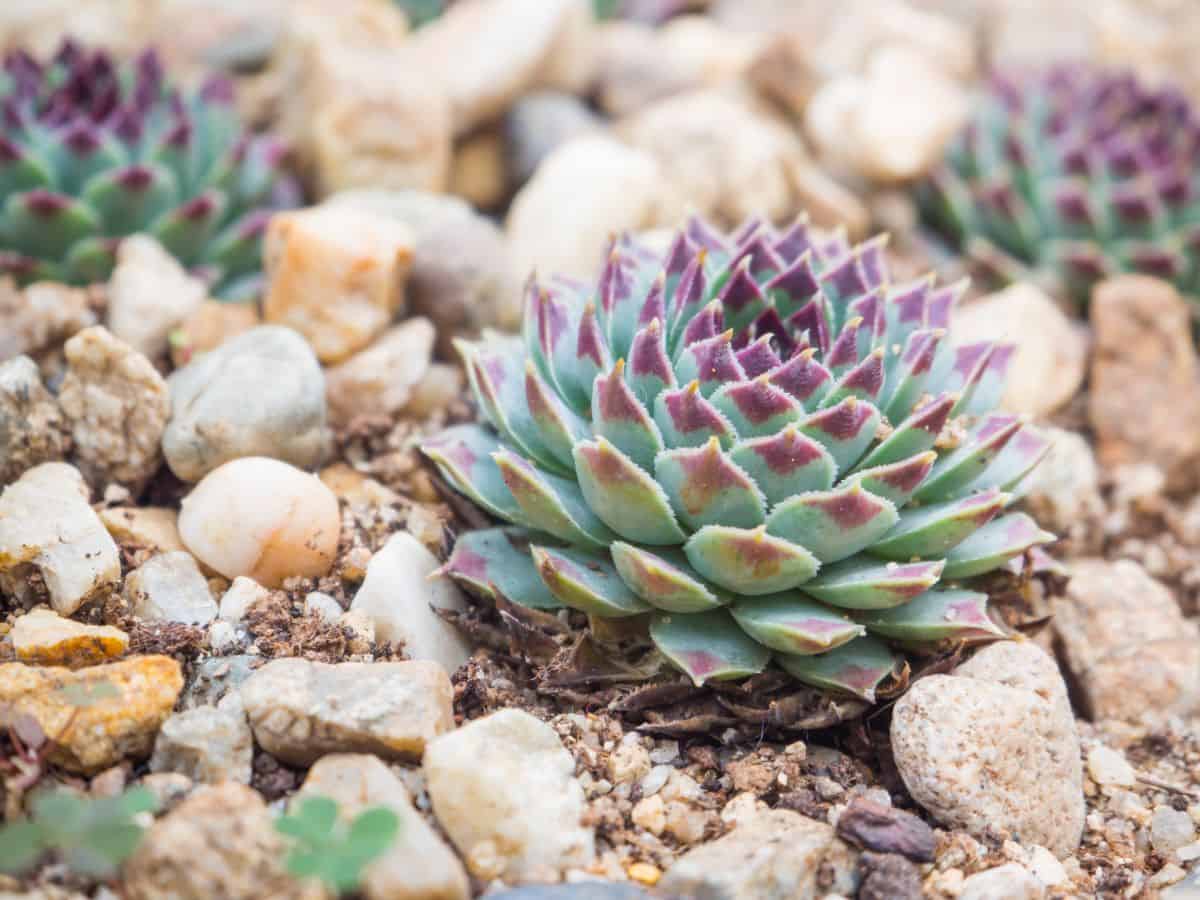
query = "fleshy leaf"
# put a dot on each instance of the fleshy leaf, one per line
(494, 560)
(931, 531)
(624, 496)
(463, 454)
(995, 544)
(845, 430)
(706, 487)
(756, 408)
(866, 583)
(686, 419)
(619, 416)
(833, 525)
(649, 371)
(897, 481)
(664, 579)
(785, 464)
(856, 668)
(954, 473)
(915, 435)
(587, 582)
(551, 503)
(710, 362)
(558, 426)
(749, 561)
(934, 616)
(708, 646)
(790, 623)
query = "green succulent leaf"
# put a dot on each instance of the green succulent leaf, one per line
(498, 560)
(856, 668)
(708, 646)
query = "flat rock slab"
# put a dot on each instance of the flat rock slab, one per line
(994, 747)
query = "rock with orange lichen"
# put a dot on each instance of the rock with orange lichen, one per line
(46, 638)
(97, 716)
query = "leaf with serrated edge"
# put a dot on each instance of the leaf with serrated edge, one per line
(708, 646)
(463, 454)
(686, 419)
(497, 559)
(791, 623)
(931, 531)
(866, 583)
(587, 582)
(664, 579)
(625, 498)
(705, 487)
(995, 544)
(620, 417)
(785, 464)
(749, 561)
(856, 668)
(933, 616)
(550, 503)
(757, 408)
(833, 525)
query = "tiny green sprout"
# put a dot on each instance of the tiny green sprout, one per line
(336, 852)
(91, 835)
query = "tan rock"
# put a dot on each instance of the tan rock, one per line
(170, 588)
(1131, 650)
(419, 865)
(210, 325)
(1048, 367)
(96, 716)
(41, 316)
(633, 69)
(336, 276)
(613, 187)
(379, 381)
(117, 407)
(32, 427)
(45, 638)
(219, 842)
(261, 518)
(47, 524)
(356, 488)
(828, 203)
(153, 528)
(300, 710)
(784, 72)
(149, 294)
(1143, 401)
(478, 172)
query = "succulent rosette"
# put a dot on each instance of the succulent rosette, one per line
(92, 151)
(758, 440)
(1078, 172)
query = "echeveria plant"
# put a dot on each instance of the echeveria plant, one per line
(757, 439)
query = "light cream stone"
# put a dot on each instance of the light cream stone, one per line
(613, 188)
(208, 744)
(212, 324)
(300, 710)
(380, 380)
(46, 523)
(1011, 881)
(45, 638)
(397, 595)
(170, 588)
(419, 865)
(1109, 768)
(504, 789)
(149, 527)
(336, 276)
(261, 518)
(41, 316)
(117, 407)
(149, 294)
(242, 594)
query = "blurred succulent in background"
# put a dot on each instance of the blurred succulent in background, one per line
(760, 441)
(1078, 172)
(652, 12)
(422, 12)
(92, 151)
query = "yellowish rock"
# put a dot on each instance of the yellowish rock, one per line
(477, 172)
(336, 276)
(356, 488)
(151, 527)
(645, 873)
(46, 638)
(97, 716)
(209, 326)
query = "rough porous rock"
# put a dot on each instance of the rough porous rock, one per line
(32, 427)
(336, 275)
(356, 109)
(379, 380)
(212, 324)
(1125, 640)
(263, 519)
(260, 394)
(242, 594)
(994, 747)
(461, 277)
(46, 524)
(301, 710)
(96, 716)
(1051, 351)
(117, 406)
(1109, 768)
(419, 865)
(1011, 881)
(513, 46)
(219, 842)
(170, 588)
(1143, 403)
(149, 294)
(1063, 492)
(613, 188)
(771, 855)
(730, 171)
(41, 316)
(537, 124)
(397, 595)
(208, 744)
(503, 788)
(214, 679)
(47, 639)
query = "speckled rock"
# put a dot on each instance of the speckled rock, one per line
(219, 842)
(994, 747)
(300, 710)
(1011, 881)
(116, 405)
(170, 588)
(46, 638)
(208, 744)
(380, 380)
(772, 855)
(397, 595)
(261, 518)
(149, 293)
(336, 275)
(260, 394)
(1130, 648)
(519, 816)
(1063, 492)
(32, 427)
(41, 316)
(47, 524)
(419, 866)
(213, 678)
(113, 711)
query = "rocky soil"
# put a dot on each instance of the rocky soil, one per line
(218, 544)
